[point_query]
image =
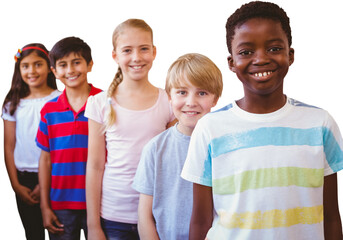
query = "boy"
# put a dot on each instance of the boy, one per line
(193, 85)
(63, 138)
(265, 165)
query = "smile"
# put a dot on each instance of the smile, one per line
(190, 113)
(262, 74)
(137, 67)
(72, 78)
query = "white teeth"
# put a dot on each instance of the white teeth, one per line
(262, 74)
(191, 113)
(137, 67)
(72, 78)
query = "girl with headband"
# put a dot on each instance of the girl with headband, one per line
(33, 84)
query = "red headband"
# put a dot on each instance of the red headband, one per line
(18, 55)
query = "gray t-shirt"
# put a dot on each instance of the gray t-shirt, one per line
(158, 174)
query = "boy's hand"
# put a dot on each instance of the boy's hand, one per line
(35, 194)
(51, 222)
(24, 194)
(96, 234)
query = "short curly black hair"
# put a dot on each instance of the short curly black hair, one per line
(256, 9)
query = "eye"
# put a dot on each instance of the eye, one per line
(126, 50)
(62, 65)
(145, 49)
(275, 49)
(181, 92)
(24, 66)
(203, 93)
(39, 64)
(245, 52)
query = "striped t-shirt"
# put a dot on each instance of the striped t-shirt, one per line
(266, 170)
(64, 133)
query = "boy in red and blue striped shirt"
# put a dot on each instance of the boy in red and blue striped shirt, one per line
(63, 138)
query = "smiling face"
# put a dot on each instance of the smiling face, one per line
(72, 70)
(34, 71)
(134, 53)
(261, 57)
(189, 104)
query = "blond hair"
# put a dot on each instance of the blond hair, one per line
(118, 78)
(198, 70)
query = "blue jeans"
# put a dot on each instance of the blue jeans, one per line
(73, 221)
(119, 231)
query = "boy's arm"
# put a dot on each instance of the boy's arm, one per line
(50, 220)
(202, 214)
(94, 174)
(146, 222)
(9, 144)
(332, 220)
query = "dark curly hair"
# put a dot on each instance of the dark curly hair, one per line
(69, 45)
(256, 9)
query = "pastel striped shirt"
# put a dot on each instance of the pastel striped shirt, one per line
(266, 170)
(64, 133)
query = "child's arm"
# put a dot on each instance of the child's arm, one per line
(50, 220)
(94, 174)
(202, 214)
(332, 220)
(9, 144)
(146, 222)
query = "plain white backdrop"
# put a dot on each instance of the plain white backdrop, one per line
(180, 26)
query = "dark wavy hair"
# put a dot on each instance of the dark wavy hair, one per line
(256, 9)
(19, 89)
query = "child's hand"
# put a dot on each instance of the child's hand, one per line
(35, 194)
(96, 234)
(51, 222)
(24, 194)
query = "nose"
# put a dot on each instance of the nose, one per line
(191, 100)
(261, 58)
(32, 69)
(136, 56)
(70, 68)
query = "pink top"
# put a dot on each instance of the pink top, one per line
(125, 141)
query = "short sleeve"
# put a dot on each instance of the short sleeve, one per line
(198, 165)
(333, 145)
(145, 175)
(42, 139)
(96, 107)
(6, 114)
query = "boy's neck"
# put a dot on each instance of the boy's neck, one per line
(262, 104)
(77, 97)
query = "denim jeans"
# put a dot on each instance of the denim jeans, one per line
(73, 221)
(119, 231)
(30, 216)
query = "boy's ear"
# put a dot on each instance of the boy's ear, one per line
(215, 101)
(54, 71)
(291, 56)
(154, 52)
(90, 66)
(231, 63)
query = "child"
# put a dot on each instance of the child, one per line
(266, 165)
(33, 84)
(122, 121)
(63, 137)
(194, 84)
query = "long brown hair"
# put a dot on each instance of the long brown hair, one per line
(19, 89)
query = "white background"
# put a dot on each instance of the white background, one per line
(179, 27)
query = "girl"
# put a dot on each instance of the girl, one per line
(33, 84)
(121, 121)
